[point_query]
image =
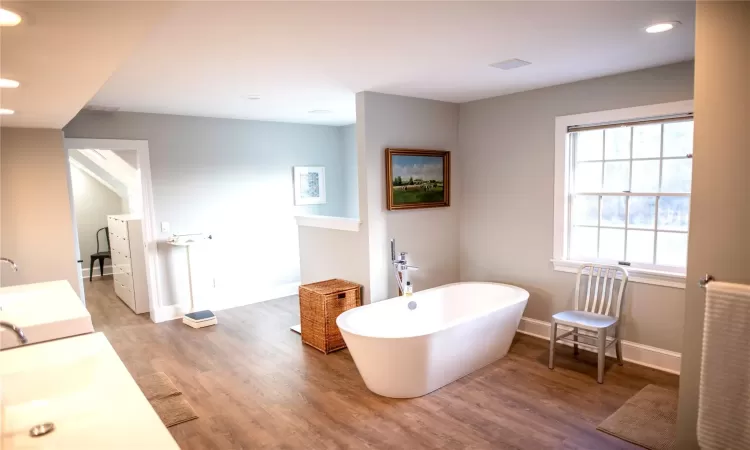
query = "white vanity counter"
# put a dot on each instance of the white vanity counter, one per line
(82, 386)
(44, 311)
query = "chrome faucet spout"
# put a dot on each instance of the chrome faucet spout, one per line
(400, 265)
(19, 332)
(11, 262)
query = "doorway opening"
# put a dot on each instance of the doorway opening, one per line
(114, 228)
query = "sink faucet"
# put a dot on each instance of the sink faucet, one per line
(19, 333)
(400, 265)
(11, 262)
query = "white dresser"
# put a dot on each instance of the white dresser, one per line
(128, 261)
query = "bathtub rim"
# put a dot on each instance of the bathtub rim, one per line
(524, 297)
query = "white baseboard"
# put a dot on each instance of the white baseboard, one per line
(85, 271)
(644, 355)
(226, 300)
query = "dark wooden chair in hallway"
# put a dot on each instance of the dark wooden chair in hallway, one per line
(100, 255)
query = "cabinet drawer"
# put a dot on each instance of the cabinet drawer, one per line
(122, 268)
(124, 279)
(120, 244)
(119, 257)
(125, 294)
(117, 227)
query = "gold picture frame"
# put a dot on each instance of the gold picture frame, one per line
(417, 179)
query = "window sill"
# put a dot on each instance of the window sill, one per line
(655, 277)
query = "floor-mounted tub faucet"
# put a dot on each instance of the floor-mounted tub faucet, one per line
(400, 265)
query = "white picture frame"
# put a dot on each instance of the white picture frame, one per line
(309, 185)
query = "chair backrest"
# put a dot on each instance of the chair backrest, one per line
(600, 289)
(106, 234)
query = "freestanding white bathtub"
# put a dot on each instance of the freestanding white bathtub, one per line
(454, 330)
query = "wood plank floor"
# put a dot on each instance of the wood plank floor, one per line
(256, 386)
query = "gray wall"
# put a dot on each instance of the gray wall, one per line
(232, 178)
(507, 170)
(37, 218)
(92, 203)
(348, 147)
(719, 211)
(430, 236)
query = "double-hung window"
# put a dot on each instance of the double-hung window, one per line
(626, 190)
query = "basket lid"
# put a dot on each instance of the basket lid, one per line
(330, 286)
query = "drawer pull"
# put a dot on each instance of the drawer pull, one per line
(342, 295)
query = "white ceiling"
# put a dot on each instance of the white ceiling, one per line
(62, 53)
(204, 58)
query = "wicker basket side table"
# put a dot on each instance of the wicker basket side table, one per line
(319, 306)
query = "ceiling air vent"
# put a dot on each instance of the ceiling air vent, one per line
(510, 64)
(101, 108)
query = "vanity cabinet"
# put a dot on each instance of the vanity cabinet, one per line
(128, 261)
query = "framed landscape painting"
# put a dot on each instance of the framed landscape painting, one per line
(417, 178)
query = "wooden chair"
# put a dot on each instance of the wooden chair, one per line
(595, 317)
(100, 255)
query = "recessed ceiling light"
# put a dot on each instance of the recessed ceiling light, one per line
(253, 97)
(9, 18)
(661, 27)
(6, 83)
(320, 111)
(6, 112)
(509, 64)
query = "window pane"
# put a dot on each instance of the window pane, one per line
(640, 246)
(671, 249)
(645, 176)
(588, 177)
(674, 213)
(617, 176)
(677, 175)
(642, 212)
(612, 244)
(613, 211)
(589, 145)
(586, 210)
(647, 141)
(583, 242)
(678, 138)
(617, 143)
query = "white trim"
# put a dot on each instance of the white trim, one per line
(85, 271)
(562, 171)
(643, 355)
(148, 221)
(173, 312)
(635, 274)
(330, 222)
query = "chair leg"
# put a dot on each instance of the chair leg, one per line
(91, 269)
(101, 267)
(575, 339)
(618, 346)
(552, 339)
(602, 347)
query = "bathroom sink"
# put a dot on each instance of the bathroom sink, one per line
(81, 386)
(44, 311)
(9, 299)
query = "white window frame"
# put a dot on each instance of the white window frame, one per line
(563, 164)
